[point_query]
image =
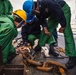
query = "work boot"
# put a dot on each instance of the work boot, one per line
(52, 51)
(71, 63)
(36, 49)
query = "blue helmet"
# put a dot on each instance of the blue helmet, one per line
(30, 18)
(28, 5)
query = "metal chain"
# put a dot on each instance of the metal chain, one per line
(47, 66)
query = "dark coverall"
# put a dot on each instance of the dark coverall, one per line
(57, 11)
(32, 31)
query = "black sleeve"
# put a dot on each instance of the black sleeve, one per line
(24, 34)
(42, 20)
(43, 23)
(57, 11)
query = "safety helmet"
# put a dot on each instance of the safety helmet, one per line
(21, 14)
(27, 6)
(30, 18)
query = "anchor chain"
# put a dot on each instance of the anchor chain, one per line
(47, 66)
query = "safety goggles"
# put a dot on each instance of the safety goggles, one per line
(18, 19)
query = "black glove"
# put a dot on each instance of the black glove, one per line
(27, 44)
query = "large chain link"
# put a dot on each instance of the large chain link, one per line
(47, 66)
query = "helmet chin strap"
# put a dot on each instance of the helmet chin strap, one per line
(19, 24)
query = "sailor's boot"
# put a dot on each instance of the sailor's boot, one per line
(71, 63)
(52, 51)
(36, 49)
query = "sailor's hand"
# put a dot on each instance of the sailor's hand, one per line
(61, 30)
(46, 31)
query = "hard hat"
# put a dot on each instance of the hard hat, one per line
(27, 6)
(30, 18)
(21, 14)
